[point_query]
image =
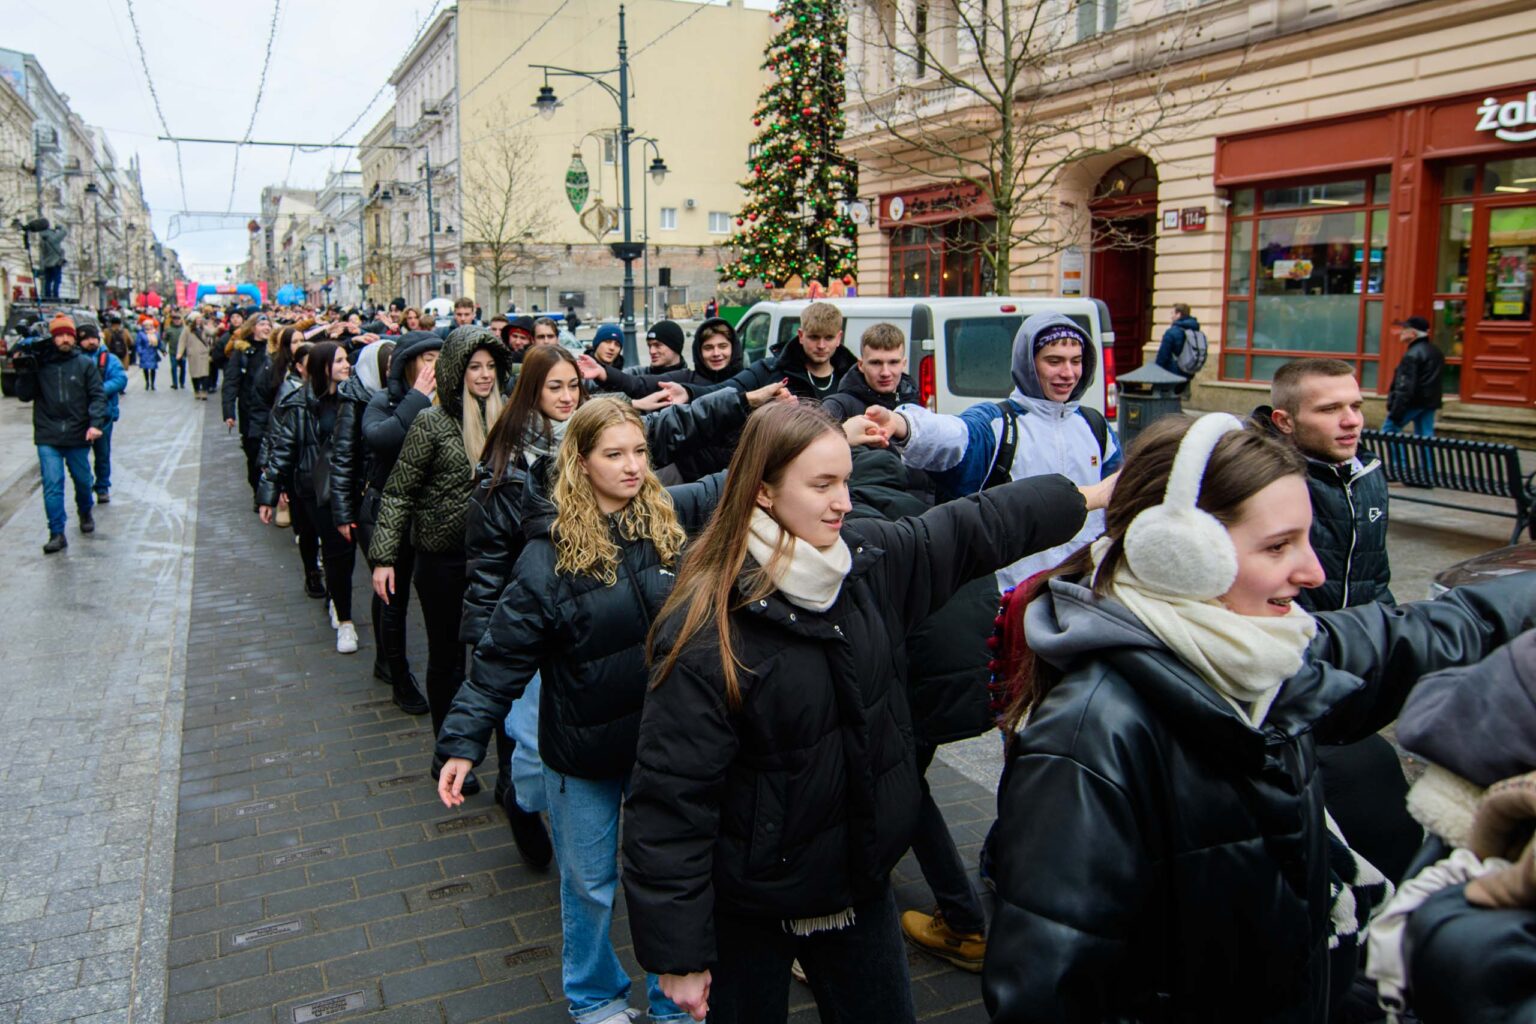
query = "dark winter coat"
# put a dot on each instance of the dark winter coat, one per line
(854, 395)
(350, 456)
(583, 637)
(639, 383)
(273, 391)
(788, 364)
(1172, 344)
(493, 522)
(430, 484)
(67, 395)
(390, 412)
(244, 383)
(1469, 964)
(800, 803)
(1416, 382)
(1349, 528)
(296, 447)
(1157, 858)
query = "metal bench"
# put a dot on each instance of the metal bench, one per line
(1444, 463)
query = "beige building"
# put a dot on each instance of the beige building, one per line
(15, 190)
(464, 97)
(1339, 165)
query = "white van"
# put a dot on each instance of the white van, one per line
(959, 350)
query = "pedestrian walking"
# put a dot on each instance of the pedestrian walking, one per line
(175, 349)
(426, 495)
(69, 413)
(350, 461)
(1184, 347)
(195, 353)
(775, 786)
(303, 428)
(409, 389)
(1417, 389)
(599, 561)
(1162, 849)
(148, 348)
(246, 367)
(114, 381)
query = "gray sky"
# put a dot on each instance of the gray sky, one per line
(329, 59)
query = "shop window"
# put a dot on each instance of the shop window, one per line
(944, 259)
(1510, 177)
(1511, 262)
(1306, 268)
(1459, 181)
(1455, 248)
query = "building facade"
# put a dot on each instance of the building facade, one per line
(1365, 161)
(338, 235)
(16, 117)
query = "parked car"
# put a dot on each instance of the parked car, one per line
(20, 320)
(1505, 561)
(960, 350)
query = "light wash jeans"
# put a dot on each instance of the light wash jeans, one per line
(522, 725)
(584, 825)
(53, 461)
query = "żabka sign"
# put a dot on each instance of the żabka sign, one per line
(1506, 120)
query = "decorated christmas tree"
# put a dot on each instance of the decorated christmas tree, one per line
(795, 222)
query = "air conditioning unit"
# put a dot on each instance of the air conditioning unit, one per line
(689, 204)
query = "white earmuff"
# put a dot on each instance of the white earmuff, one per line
(1177, 548)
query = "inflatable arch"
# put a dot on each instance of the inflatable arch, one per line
(250, 291)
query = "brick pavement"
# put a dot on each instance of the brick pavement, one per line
(93, 641)
(317, 875)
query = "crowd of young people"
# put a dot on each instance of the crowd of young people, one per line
(735, 609)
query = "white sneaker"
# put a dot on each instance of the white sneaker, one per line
(335, 622)
(623, 1016)
(346, 638)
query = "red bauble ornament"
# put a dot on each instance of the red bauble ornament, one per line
(807, 111)
(757, 121)
(739, 222)
(741, 282)
(848, 279)
(751, 216)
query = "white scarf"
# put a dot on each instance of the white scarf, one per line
(806, 576)
(1244, 658)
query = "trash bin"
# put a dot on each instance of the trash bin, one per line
(1147, 394)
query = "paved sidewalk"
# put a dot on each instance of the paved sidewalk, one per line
(317, 875)
(94, 640)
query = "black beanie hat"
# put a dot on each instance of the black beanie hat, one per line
(668, 333)
(522, 323)
(87, 330)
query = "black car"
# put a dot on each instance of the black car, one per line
(31, 318)
(1505, 561)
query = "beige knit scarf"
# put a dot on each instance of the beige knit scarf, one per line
(806, 576)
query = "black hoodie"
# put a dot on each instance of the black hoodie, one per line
(391, 410)
(698, 378)
(854, 395)
(788, 364)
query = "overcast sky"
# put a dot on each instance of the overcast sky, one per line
(329, 59)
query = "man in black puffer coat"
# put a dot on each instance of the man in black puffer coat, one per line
(879, 378)
(69, 413)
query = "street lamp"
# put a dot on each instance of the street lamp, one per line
(94, 191)
(658, 174)
(627, 251)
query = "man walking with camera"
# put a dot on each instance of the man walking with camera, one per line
(68, 415)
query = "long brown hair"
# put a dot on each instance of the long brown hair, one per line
(774, 437)
(280, 345)
(317, 367)
(583, 543)
(505, 442)
(1242, 464)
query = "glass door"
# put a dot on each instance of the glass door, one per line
(1497, 362)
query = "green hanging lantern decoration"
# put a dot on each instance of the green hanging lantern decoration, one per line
(577, 183)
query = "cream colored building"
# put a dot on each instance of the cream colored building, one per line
(16, 119)
(466, 90)
(1365, 161)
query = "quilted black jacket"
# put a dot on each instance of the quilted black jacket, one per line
(351, 457)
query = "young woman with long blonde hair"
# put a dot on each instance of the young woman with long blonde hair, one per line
(600, 558)
(775, 784)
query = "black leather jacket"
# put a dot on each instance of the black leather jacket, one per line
(800, 803)
(493, 522)
(1416, 382)
(350, 456)
(584, 637)
(1157, 858)
(295, 447)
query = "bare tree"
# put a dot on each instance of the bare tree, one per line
(17, 204)
(997, 98)
(503, 208)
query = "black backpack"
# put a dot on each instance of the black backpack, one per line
(1007, 446)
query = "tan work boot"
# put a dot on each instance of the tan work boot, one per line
(932, 934)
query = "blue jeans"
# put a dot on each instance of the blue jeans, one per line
(584, 825)
(102, 447)
(1423, 421)
(53, 461)
(178, 373)
(527, 770)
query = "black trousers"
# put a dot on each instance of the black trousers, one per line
(340, 555)
(389, 620)
(252, 446)
(309, 535)
(441, 580)
(858, 974)
(939, 860)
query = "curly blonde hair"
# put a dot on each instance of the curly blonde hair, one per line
(583, 544)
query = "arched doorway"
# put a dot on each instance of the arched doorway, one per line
(1124, 211)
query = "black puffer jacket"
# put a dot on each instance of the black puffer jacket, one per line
(1349, 528)
(272, 391)
(493, 523)
(800, 803)
(585, 638)
(67, 396)
(1157, 859)
(296, 446)
(1416, 383)
(242, 394)
(698, 378)
(788, 364)
(390, 412)
(854, 395)
(350, 456)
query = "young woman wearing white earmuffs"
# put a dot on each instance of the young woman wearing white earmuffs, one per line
(1163, 852)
